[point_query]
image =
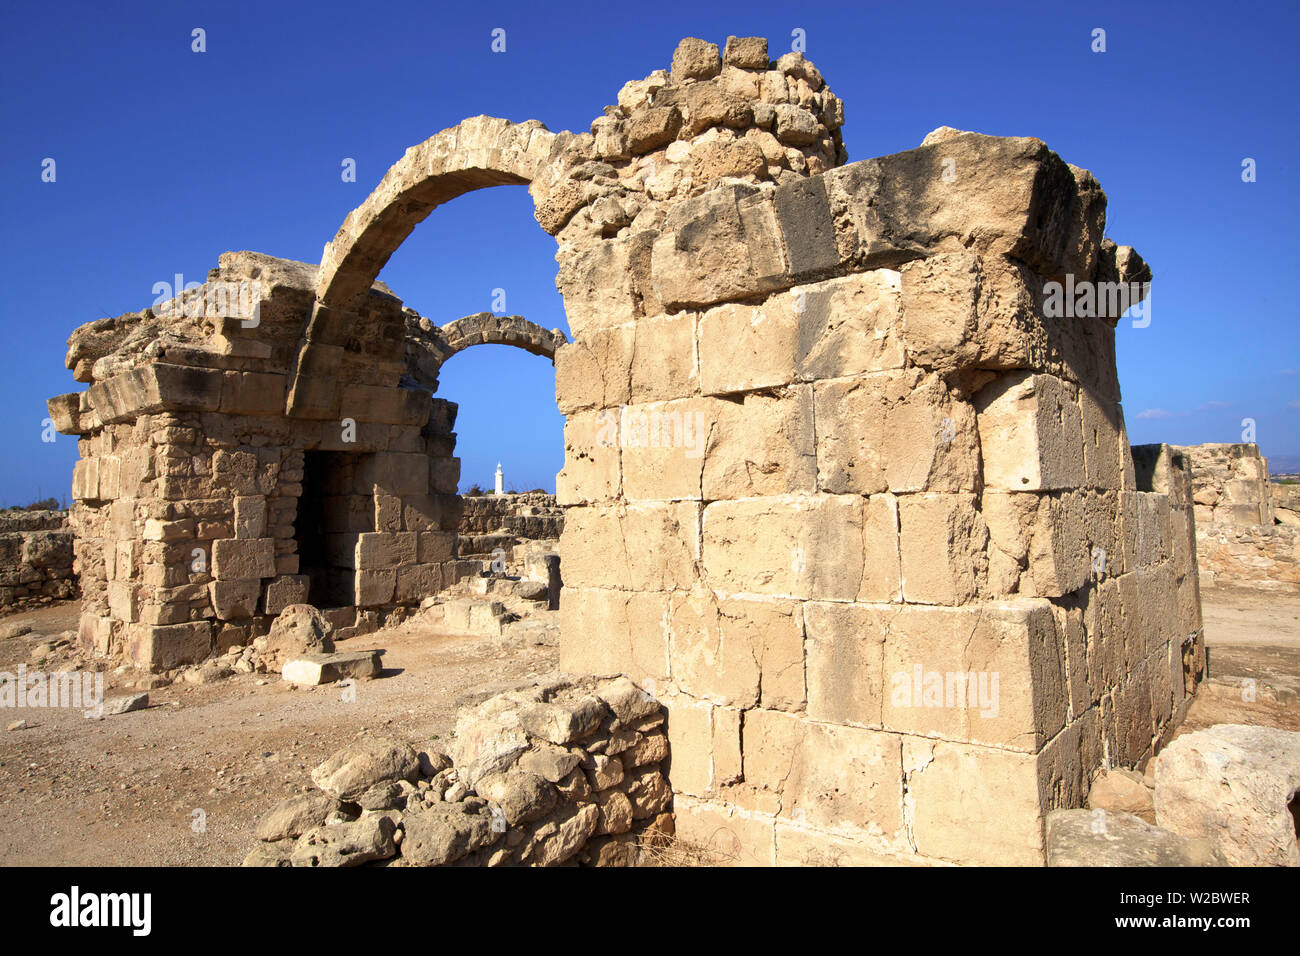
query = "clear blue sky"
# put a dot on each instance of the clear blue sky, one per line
(167, 158)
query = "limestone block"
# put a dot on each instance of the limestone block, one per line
(761, 445)
(436, 547)
(592, 372)
(374, 588)
(749, 53)
(417, 582)
(992, 196)
(253, 393)
(990, 674)
(960, 311)
(596, 283)
(716, 247)
(236, 559)
(591, 470)
(690, 739)
(638, 547)
(820, 547)
(250, 516)
(1102, 441)
(842, 779)
(943, 546)
(1031, 436)
(847, 326)
(174, 645)
(286, 589)
(1231, 784)
(124, 600)
(662, 445)
(726, 835)
(630, 639)
(663, 363)
(737, 652)
(314, 669)
(444, 476)
(376, 549)
(746, 347)
(387, 405)
(695, 59)
(894, 431)
(235, 600)
(974, 805)
(393, 473)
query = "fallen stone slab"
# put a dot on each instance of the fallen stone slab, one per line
(313, 669)
(1110, 838)
(124, 705)
(14, 630)
(1231, 784)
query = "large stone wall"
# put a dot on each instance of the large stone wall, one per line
(35, 558)
(825, 447)
(1239, 540)
(842, 487)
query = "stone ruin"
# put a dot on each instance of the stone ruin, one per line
(841, 489)
(1247, 528)
(35, 559)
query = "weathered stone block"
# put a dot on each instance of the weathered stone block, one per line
(285, 590)
(639, 547)
(631, 638)
(235, 600)
(830, 547)
(1031, 433)
(974, 805)
(894, 431)
(174, 645)
(720, 246)
(842, 779)
(943, 544)
(591, 458)
(737, 652)
(250, 516)
(593, 372)
(234, 559)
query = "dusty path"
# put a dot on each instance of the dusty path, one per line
(1249, 635)
(123, 791)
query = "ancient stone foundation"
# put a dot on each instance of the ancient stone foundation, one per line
(35, 558)
(845, 487)
(1246, 535)
(548, 776)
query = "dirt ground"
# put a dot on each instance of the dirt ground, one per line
(124, 790)
(1249, 636)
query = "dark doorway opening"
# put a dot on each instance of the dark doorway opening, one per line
(333, 511)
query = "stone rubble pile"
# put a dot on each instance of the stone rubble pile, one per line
(1224, 796)
(569, 773)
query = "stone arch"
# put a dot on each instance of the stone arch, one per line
(479, 152)
(349, 331)
(486, 328)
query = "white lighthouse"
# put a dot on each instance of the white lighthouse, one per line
(500, 477)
